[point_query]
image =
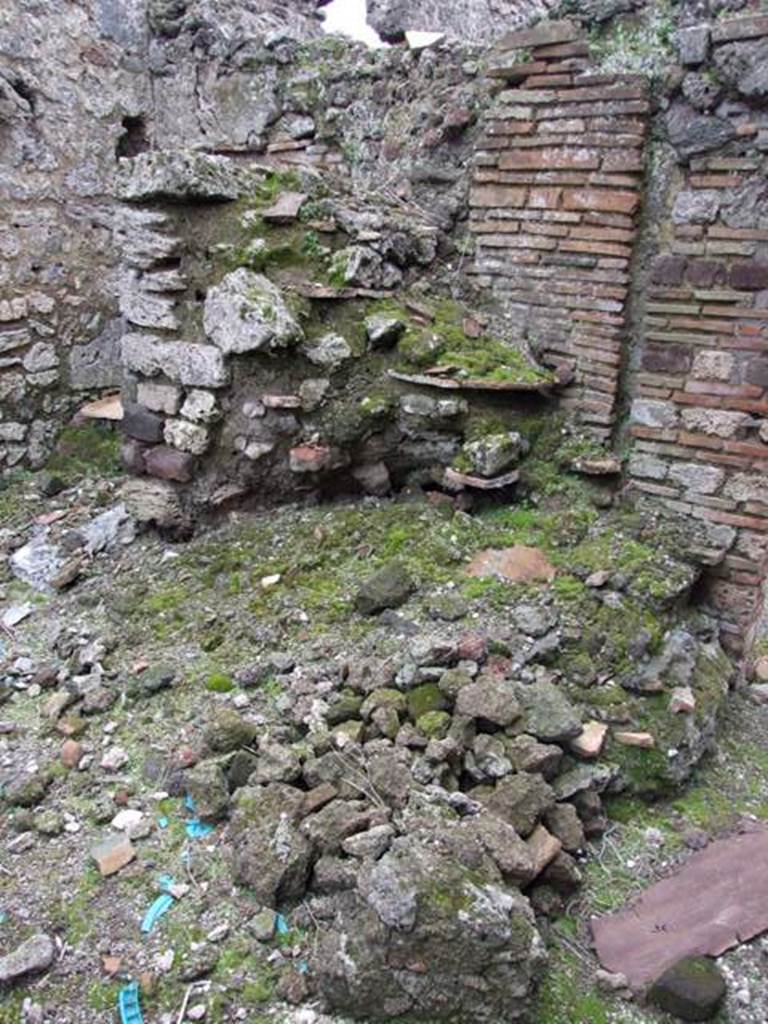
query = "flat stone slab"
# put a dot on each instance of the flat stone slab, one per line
(457, 481)
(452, 384)
(718, 899)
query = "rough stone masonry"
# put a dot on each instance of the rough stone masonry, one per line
(614, 217)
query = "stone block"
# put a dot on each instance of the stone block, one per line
(132, 456)
(141, 424)
(697, 476)
(712, 364)
(749, 276)
(176, 175)
(715, 422)
(164, 398)
(152, 501)
(705, 273)
(644, 465)
(751, 27)
(696, 206)
(666, 358)
(200, 406)
(186, 436)
(668, 270)
(246, 312)
(653, 413)
(546, 33)
(693, 44)
(113, 854)
(187, 363)
(169, 464)
(756, 371)
(748, 487)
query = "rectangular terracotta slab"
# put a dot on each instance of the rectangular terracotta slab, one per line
(716, 900)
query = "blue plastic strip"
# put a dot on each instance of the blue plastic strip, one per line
(166, 882)
(161, 905)
(128, 1004)
(281, 925)
(162, 822)
(189, 803)
(196, 829)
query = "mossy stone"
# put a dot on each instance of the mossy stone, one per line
(390, 587)
(452, 680)
(435, 725)
(228, 731)
(351, 730)
(384, 697)
(692, 989)
(425, 698)
(347, 706)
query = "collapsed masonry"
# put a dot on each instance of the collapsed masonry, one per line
(613, 243)
(293, 401)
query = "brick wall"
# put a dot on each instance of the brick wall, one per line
(699, 419)
(556, 193)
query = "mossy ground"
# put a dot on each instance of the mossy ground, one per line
(86, 450)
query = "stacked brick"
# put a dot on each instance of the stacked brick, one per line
(556, 191)
(700, 415)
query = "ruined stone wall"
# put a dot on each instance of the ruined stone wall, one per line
(700, 363)
(88, 84)
(556, 187)
(476, 21)
(63, 94)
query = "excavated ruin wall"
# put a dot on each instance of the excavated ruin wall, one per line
(699, 360)
(671, 318)
(85, 85)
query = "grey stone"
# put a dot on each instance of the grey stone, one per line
(548, 714)
(533, 620)
(188, 363)
(207, 785)
(390, 587)
(369, 845)
(693, 44)
(696, 206)
(245, 312)
(328, 351)
(692, 989)
(199, 406)
(492, 454)
(489, 700)
(691, 133)
(697, 476)
(269, 853)
(420, 905)
(140, 423)
(164, 398)
(520, 800)
(383, 331)
(227, 731)
(362, 266)
(186, 437)
(277, 763)
(191, 176)
(650, 412)
(33, 956)
(153, 501)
